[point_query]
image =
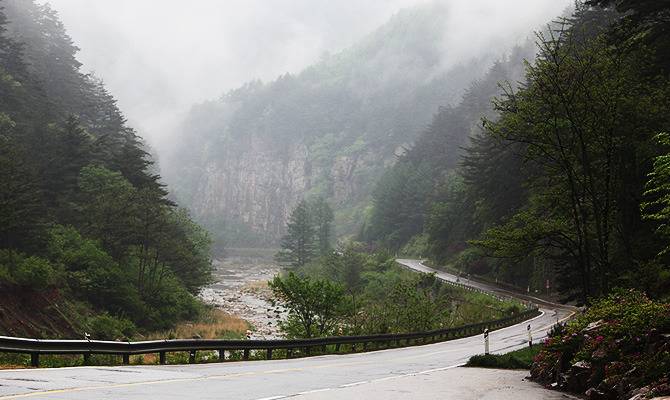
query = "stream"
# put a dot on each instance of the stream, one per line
(240, 288)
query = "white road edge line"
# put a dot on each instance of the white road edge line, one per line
(354, 384)
(313, 391)
(273, 398)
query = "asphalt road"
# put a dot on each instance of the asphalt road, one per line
(353, 375)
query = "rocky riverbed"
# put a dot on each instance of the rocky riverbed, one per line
(241, 289)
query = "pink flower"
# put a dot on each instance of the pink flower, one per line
(600, 339)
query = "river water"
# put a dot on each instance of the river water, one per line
(240, 288)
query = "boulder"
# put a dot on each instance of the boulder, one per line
(576, 379)
(596, 394)
(593, 326)
(640, 394)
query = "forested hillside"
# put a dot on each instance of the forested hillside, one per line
(425, 175)
(246, 159)
(565, 178)
(85, 224)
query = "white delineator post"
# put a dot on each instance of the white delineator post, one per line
(530, 337)
(486, 341)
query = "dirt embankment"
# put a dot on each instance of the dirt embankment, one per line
(43, 314)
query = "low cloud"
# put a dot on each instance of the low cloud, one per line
(160, 57)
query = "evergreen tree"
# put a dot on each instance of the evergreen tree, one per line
(21, 203)
(298, 245)
(322, 218)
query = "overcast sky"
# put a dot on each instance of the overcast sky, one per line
(158, 57)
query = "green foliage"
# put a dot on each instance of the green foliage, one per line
(628, 314)
(551, 188)
(618, 339)
(576, 125)
(107, 327)
(314, 307)
(518, 359)
(322, 218)
(27, 271)
(657, 208)
(309, 234)
(81, 210)
(346, 267)
(34, 272)
(422, 193)
(380, 297)
(92, 274)
(298, 246)
(417, 246)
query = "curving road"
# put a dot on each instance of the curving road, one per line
(414, 372)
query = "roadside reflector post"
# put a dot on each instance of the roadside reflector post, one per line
(530, 336)
(486, 341)
(35, 359)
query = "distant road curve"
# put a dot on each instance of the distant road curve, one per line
(354, 375)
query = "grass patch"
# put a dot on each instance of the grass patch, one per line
(519, 359)
(213, 324)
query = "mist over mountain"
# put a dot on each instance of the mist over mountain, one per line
(244, 160)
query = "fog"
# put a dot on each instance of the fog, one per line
(160, 57)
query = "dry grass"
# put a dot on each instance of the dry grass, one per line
(214, 324)
(256, 286)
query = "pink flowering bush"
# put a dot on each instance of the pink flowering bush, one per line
(619, 346)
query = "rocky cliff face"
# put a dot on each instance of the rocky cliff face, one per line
(257, 187)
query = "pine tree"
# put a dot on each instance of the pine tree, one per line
(322, 218)
(298, 246)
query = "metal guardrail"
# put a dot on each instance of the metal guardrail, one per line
(293, 347)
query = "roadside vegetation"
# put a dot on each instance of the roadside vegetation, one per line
(617, 349)
(518, 359)
(350, 290)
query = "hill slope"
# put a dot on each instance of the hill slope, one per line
(247, 158)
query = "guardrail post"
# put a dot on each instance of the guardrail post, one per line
(337, 348)
(191, 356)
(126, 359)
(35, 359)
(161, 357)
(269, 357)
(87, 358)
(245, 356)
(222, 355)
(289, 353)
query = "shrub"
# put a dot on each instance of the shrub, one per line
(35, 273)
(519, 359)
(108, 327)
(615, 347)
